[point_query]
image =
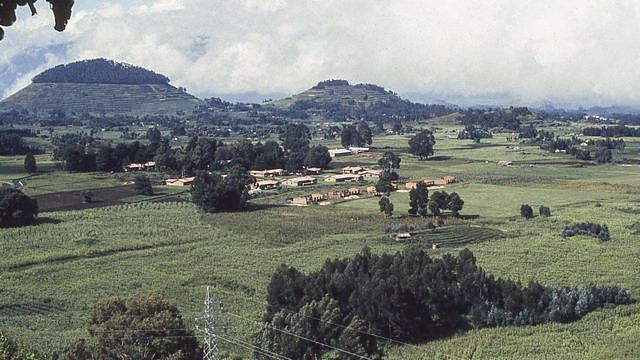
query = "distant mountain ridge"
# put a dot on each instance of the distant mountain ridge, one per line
(101, 86)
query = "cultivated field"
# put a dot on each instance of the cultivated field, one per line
(52, 273)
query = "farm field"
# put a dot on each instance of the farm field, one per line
(52, 273)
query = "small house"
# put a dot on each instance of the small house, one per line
(267, 173)
(339, 152)
(372, 190)
(301, 181)
(353, 170)
(267, 184)
(403, 236)
(313, 171)
(344, 178)
(358, 150)
(180, 182)
(301, 200)
(371, 174)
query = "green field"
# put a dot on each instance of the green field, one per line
(53, 273)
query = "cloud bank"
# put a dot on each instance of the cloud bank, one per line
(581, 52)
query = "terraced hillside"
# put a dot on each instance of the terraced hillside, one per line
(101, 86)
(101, 98)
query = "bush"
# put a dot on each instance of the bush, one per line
(213, 193)
(30, 165)
(142, 185)
(526, 211)
(601, 231)
(16, 208)
(544, 211)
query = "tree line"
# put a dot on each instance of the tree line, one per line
(100, 71)
(411, 297)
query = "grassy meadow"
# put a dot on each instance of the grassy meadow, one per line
(52, 273)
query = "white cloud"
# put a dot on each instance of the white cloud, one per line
(521, 51)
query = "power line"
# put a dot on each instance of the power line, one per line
(250, 346)
(210, 328)
(303, 338)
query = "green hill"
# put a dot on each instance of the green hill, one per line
(339, 100)
(101, 87)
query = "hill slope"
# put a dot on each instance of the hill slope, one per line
(101, 87)
(339, 100)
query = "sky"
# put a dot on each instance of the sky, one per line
(510, 52)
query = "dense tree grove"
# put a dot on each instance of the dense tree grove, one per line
(16, 208)
(100, 71)
(408, 297)
(440, 201)
(13, 144)
(600, 231)
(508, 118)
(317, 156)
(213, 193)
(421, 145)
(474, 133)
(144, 327)
(356, 135)
(612, 131)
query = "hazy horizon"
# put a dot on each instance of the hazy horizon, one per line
(568, 54)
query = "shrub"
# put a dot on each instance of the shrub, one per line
(142, 185)
(601, 231)
(544, 211)
(526, 211)
(16, 208)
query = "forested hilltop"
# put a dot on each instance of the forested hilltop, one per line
(100, 71)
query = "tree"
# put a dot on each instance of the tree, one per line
(317, 156)
(142, 185)
(350, 136)
(269, 155)
(30, 165)
(544, 211)
(142, 327)
(213, 193)
(295, 140)
(61, 11)
(107, 160)
(385, 181)
(439, 201)
(365, 133)
(418, 199)
(386, 206)
(455, 204)
(603, 155)
(526, 211)
(154, 135)
(389, 161)
(16, 208)
(421, 145)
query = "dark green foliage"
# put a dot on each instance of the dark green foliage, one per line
(418, 200)
(107, 159)
(508, 118)
(350, 136)
(269, 155)
(474, 133)
(166, 158)
(295, 140)
(600, 231)
(76, 158)
(421, 145)
(100, 71)
(526, 211)
(603, 155)
(154, 135)
(612, 131)
(16, 208)
(30, 164)
(455, 203)
(87, 196)
(385, 182)
(439, 201)
(386, 206)
(142, 185)
(317, 156)
(213, 193)
(544, 211)
(142, 327)
(365, 133)
(13, 144)
(389, 161)
(409, 297)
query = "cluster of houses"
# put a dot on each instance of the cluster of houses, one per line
(348, 174)
(148, 166)
(318, 198)
(445, 180)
